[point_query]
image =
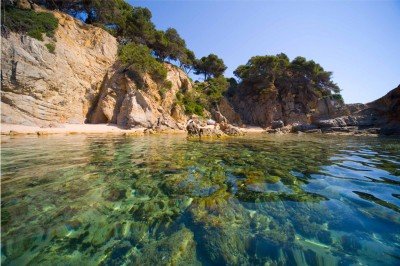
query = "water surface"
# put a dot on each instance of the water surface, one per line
(305, 200)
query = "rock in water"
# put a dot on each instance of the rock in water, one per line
(277, 124)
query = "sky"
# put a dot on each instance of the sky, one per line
(359, 41)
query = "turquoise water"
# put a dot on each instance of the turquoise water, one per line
(262, 200)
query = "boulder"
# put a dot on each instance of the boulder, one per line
(192, 128)
(219, 118)
(303, 127)
(317, 130)
(277, 124)
(210, 122)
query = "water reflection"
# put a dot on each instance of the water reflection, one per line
(312, 200)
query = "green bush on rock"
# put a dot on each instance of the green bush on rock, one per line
(51, 47)
(205, 95)
(30, 22)
(138, 58)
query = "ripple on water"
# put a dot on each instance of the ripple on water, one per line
(150, 200)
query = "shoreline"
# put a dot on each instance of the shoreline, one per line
(112, 129)
(101, 129)
(71, 129)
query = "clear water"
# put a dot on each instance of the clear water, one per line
(85, 200)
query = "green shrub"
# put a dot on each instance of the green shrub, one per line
(30, 22)
(51, 47)
(338, 97)
(204, 95)
(167, 85)
(193, 107)
(138, 58)
(191, 101)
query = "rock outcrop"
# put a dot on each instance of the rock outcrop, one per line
(128, 103)
(83, 82)
(196, 128)
(40, 87)
(379, 116)
(291, 106)
(305, 111)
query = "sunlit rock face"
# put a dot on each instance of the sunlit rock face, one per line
(291, 105)
(82, 82)
(40, 87)
(304, 107)
(382, 115)
(130, 101)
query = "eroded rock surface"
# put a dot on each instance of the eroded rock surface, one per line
(40, 87)
(128, 103)
(291, 106)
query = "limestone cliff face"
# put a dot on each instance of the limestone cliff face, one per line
(82, 82)
(40, 87)
(126, 102)
(289, 105)
(382, 114)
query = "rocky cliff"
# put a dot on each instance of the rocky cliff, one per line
(304, 110)
(125, 102)
(292, 105)
(81, 81)
(40, 87)
(380, 116)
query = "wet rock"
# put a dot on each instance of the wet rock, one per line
(324, 237)
(337, 122)
(117, 254)
(233, 131)
(210, 132)
(350, 244)
(176, 249)
(264, 248)
(225, 246)
(313, 131)
(302, 127)
(192, 128)
(346, 129)
(114, 194)
(277, 124)
(311, 257)
(273, 131)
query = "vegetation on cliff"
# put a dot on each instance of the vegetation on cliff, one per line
(144, 49)
(270, 73)
(204, 96)
(133, 25)
(209, 66)
(138, 58)
(35, 24)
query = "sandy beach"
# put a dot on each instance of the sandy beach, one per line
(12, 129)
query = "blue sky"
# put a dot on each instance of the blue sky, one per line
(359, 41)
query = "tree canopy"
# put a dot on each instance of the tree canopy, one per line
(277, 71)
(209, 66)
(137, 57)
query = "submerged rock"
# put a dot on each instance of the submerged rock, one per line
(277, 124)
(176, 249)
